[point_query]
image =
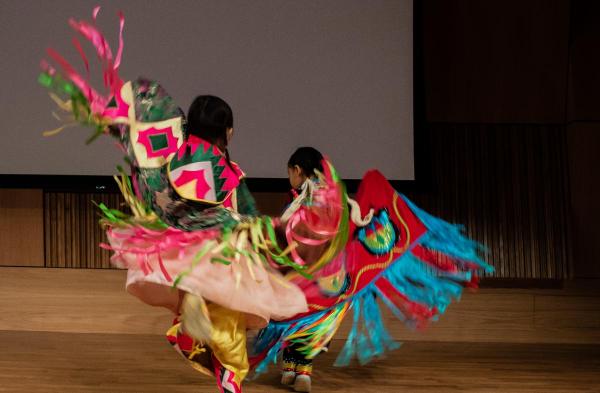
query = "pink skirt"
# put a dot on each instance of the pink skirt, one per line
(161, 264)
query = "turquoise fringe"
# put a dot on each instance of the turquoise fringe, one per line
(368, 338)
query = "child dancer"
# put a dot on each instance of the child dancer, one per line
(303, 166)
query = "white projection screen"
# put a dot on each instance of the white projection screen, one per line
(333, 74)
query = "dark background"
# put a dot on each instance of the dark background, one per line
(511, 94)
(507, 133)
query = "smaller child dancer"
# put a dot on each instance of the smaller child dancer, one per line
(302, 167)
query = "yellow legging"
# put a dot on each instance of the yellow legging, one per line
(228, 339)
(227, 343)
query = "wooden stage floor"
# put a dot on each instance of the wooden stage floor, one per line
(88, 362)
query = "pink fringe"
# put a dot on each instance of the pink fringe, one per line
(144, 243)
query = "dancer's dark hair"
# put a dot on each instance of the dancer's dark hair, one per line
(208, 118)
(308, 159)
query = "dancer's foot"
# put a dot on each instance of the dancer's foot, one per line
(303, 372)
(302, 383)
(288, 371)
(288, 377)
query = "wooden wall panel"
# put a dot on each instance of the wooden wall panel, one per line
(72, 231)
(21, 228)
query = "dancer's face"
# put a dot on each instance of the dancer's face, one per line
(296, 176)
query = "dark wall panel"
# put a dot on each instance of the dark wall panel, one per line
(505, 183)
(584, 75)
(584, 166)
(584, 135)
(496, 61)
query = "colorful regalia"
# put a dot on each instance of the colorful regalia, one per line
(401, 258)
(193, 241)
